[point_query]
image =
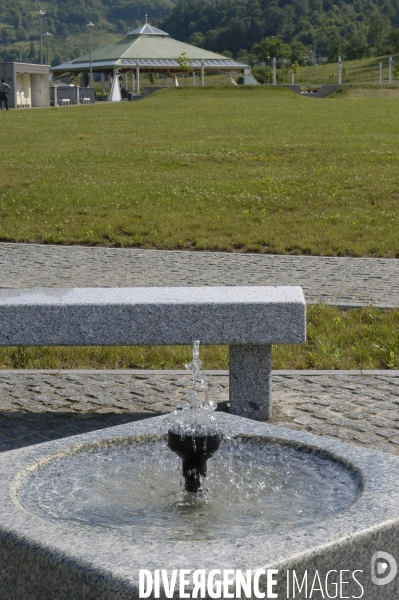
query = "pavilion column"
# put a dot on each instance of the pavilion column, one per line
(193, 78)
(102, 84)
(138, 77)
(133, 82)
(202, 72)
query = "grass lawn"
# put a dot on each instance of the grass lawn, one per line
(353, 339)
(362, 71)
(235, 169)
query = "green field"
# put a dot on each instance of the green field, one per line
(243, 169)
(354, 72)
(234, 169)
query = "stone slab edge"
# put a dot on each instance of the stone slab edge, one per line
(221, 372)
(152, 316)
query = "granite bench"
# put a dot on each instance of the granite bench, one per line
(247, 319)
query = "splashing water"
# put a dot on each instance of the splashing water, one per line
(136, 491)
(196, 418)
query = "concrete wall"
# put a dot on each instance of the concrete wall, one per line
(72, 93)
(295, 88)
(325, 90)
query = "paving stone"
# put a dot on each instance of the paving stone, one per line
(335, 280)
(387, 433)
(366, 438)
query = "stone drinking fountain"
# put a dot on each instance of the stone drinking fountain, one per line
(82, 517)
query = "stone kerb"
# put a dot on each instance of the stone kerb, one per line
(247, 319)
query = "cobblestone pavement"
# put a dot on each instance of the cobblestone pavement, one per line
(341, 281)
(38, 406)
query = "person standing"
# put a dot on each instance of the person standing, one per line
(4, 89)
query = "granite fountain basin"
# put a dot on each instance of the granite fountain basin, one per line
(44, 555)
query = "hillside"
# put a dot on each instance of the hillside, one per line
(66, 21)
(354, 28)
(361, 25)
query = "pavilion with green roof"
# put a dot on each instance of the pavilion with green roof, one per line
(147, 50)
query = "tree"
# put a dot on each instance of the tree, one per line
(197, 39)
(271, 47)
(244, 56)
(335, 48)
(7, 35)
(379, 30)
(394, 39)
(356, 46)
(262, 74)
(121, 26)
(185, 66)
(298, 52)
(32, 52)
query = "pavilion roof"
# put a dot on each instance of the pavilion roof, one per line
(150, 47)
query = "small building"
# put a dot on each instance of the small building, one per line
(147, 50)
(29, 84)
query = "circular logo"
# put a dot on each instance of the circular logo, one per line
(383, 568)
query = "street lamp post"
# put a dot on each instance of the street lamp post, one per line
(268, 70)
(90, 26)
(47, 35)
(41, 14)
(314, 60)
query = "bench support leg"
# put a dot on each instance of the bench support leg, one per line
(250, 381)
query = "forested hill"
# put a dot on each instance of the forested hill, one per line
(334, 25)
(356, 28)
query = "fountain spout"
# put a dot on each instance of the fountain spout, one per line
(195, 452)
(193, 432)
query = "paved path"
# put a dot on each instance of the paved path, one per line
(341, 281)
(37, 406)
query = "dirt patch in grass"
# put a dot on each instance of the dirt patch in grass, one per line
(368, 92)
